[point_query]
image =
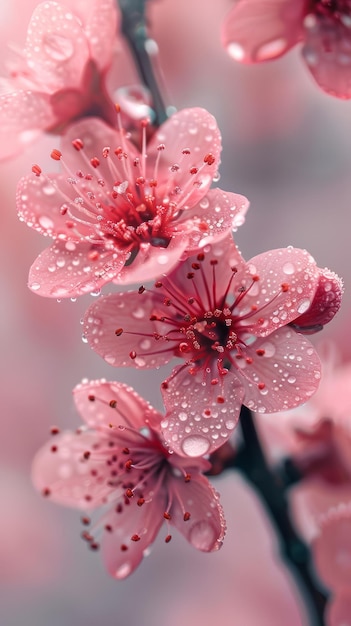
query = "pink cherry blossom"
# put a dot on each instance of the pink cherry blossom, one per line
(61, 74)
(261, 30)
(117, 461)
(332, 548)
(229, 321)
(339, 610)
(120, 214)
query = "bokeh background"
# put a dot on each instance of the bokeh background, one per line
(286, 146)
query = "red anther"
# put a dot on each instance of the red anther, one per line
(207, 412)
(214, 381)
(164, 385)
(91, 398)
(118, 332)
(161, 146)
(135, 538)
(124, 547)
(145, 122)
(87, 536)
(141, 289)
(187, 478)
(152, 183)
(213, 262)
(285, 287)
(168, 538)
(113, 404)
(249, 360)
(106, 152)
(166, 515)
(54, 430)
(158, 284)
(128, 465)
(117, 107)
(190, 275)
(95, 162)
(200, 256)
(126, 451)
(53, 448)
(86, 454)
(186, 516)
(195, 266)
(78, 144)
(70, 224)
(255, 278)
(220, 399)
(85, 520)
(186, 151)
(56, 154)
(209, 159)
(88, 497)
(94, 545)
(46, 492)
(129, 493)
(140, 180)
(141, 501)
(260, 352)
(64, 209)
(261, 385)
(193, 170)
(132, 354)
(36, 170)
(109, 528)
(119, 508)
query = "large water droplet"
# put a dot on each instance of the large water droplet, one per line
(202, 535)
(46, 222)
(304, 305)
(288, 268)
(123, 571)
(195, 445)
(236, 51)
(57, 47)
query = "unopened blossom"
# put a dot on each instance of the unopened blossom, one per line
(261, 30)
(60, 76)
(229, 320)
(123, 214)
(118, 464)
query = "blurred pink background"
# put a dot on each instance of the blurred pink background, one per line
(286, 146)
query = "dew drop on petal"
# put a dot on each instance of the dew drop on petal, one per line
(236, 51)
(35, 286)
(138, 313)
(48, 189)
(304, 305)
(195, 445)
(288, 268)
(271, 49)
(45, 222)
(57, 47)
(123, 571)
(202, 535)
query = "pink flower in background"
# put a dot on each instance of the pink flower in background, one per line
(332, 548)
(117, 461)
(61, 74)
(120, 214)
(261, 30)
(229, 320)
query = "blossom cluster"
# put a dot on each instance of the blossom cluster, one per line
(140, 207)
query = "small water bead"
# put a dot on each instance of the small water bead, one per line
(138, 313)
(35, 286)
(236, 51)
(271, 49)
(48, 189)
(202, 535)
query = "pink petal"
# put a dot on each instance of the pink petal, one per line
(327, 54)
(56, 46)
(151, 261)
(325, 304)
(288, 278)
(66, 474)
(200, 416)
(68, 270)
(194, 130)
(216, 215)
(120, 553)
(338, 612)
(285, 376)
(99, 19)
(118, 324)
(332, 549)
(23, 115)
(205, 529)
(259, 30)
(95, 403)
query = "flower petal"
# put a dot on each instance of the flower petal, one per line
(259, 30)
(285, 375)
(201, 413)
(104, 404)
(339, 610)
(118, 326)
(325, 304)
(205, 528)
(280, 286)
(122, 554)
(61, 471)
(216, 215)
(23, 114)
(56, 47)
(332, 548)
(327, 54)
(196, 131)
(67, 270)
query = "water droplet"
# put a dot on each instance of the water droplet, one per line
(145, 344)
(288, 268)
(205, 203)
(304, 305)
(271, 49)
(195, 445)
(202, 535)
(138, 313)
(183, 416)
(57, 47)
(123, 571)
(70, 246)
(48, 189)
(291, 380)
(46, 222)
(35, 286)
(236, 51)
